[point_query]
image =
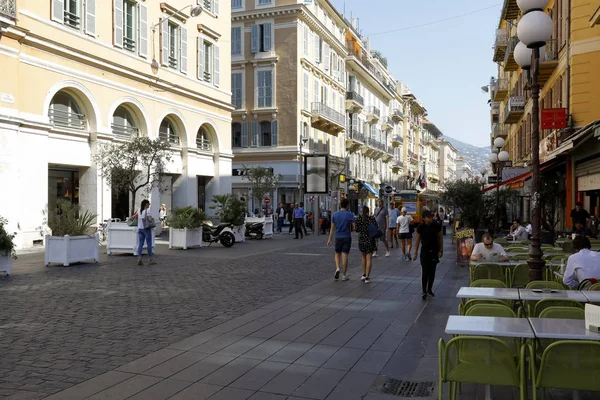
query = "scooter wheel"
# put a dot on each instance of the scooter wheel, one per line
(259, 236)
(227, 239)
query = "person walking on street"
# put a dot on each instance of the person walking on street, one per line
(429, 236)
(303, 222)
(280, 212)
(342, 222)
(299, 220)
(579, 215)
(382, 218)
(393, 225)
(404, 221)
(290, 216)
(145, 225)
(366, 245)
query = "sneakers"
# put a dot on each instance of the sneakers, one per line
(387, 253)
(337, 274)
(345, 277)
(430, 293)
(152, 262)
(374, 254)
(362, 278)
(367, 280)
(424, 296)
(140, 262)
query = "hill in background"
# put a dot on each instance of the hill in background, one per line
(476, 156)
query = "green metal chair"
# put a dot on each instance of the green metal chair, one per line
(559, 258)
(563, 312)
(519, 276)
(488, 283)
(552, 250)
(595, 286)
(490, 310)
(545, 246)
(501, 241)
(481, 360)
(463, 308)
(567, 364)
(543, 304)
(525, 241)
(517, 250)
(488, 271)
(520, 257)
(545, 285)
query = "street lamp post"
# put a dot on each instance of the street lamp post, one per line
(302, 142)
(534, 30)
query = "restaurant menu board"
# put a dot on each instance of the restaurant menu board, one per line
(465, 241)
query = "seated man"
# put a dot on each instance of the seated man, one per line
(581, 230)
(517, 232)
(487, 250)
(584, 264)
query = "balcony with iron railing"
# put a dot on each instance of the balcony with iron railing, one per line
(548, 60)
(327, 119)
(500, 44)
(373, 114)
(354, 102)
(124, 131)
(397, 164)
(376, 54)
(203, 144)
(397, 115)
(413, 157)
(8, 9)
(499, 89)
(499, 130)
(514, 109)
(362, 58)
(67, 119)
(397, 140)
(387, 123)
(354, 139)
(509, 58)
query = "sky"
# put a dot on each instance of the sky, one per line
(444, 63)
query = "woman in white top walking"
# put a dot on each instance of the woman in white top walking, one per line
(145, 233)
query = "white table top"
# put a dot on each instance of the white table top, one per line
(566, 329)
(488, 293)
(489, 326)
(509, 263)
(529, 294)
(592, 295)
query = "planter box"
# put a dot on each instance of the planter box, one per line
(67, 250)
(185, 238)
(5, 264)
(240, 233)
(123, 238)
(267, 225)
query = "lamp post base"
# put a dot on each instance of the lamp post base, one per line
(536, 269)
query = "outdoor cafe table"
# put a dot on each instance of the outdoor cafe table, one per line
(592, 295)
(530, 295)
(562, 329)
(488, 293)
(509, 263)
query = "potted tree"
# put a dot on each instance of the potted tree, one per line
(71, 240)
(232, 210)
(185, 227)
(7, 247)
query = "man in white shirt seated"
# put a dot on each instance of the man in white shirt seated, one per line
(584, 264)
(487, 250)
(517, 231)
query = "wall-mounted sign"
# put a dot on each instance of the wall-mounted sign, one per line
(242, 171)
(510, 173)
(316, 174)
(554, 118)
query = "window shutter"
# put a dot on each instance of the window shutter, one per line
(143, 31)
(236, 40)
(326, 56)
(200, 58)
(306, 88)
(354, 122)
(58, 11)
(317, 40)
(306, 33)
(164, 36)
(216, 60)
(255, 43)
(90, 17)
(316, 91)
(215, 8)
(183, 50)
(244, 134)
(268, 37)
(274, 127)
(118, 23)
(254, 134)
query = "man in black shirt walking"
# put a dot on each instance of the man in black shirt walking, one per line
(429, 235)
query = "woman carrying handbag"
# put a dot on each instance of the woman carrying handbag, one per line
(145, 224)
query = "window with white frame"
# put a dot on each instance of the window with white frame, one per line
(211, 6)
(76, 14)
(305, 99)
(264, 2)
(237, 89)
(306, 39)
(235, 4)
(130, 26)
(174, 47)
(261, 36)
(167, 132)
(208, 61)
(237, 45)
(264, 88)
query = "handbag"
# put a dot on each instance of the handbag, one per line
(148, 224)
(374, 231)
(132, 221)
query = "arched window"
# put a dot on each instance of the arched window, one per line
(203, 139)
(265, 134)
(236, 134)
(167, 132)
(123, 123)
(65, 112)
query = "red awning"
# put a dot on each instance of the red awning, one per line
(520, 178)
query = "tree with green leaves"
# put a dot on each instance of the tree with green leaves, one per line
(263, 180)
(134, 165)
(468, 197)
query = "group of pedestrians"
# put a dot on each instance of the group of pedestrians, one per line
(295, 215)
(375, 228)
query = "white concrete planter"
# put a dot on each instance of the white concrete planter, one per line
(185, 238)
(67, 249)
(5, 263)
(240, 233)
(268, 227)
(123, 238)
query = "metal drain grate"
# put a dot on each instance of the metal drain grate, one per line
(408, 389)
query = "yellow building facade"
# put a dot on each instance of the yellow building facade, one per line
(77, 74)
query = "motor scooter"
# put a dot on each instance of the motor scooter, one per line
(221, 233)
(255, 230)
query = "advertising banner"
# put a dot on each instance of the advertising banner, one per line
(316, 174)
(465, 241)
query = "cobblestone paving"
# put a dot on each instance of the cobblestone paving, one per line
(61, 326)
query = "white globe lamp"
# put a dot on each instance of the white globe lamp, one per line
(503, 156)
(499, 142)
(483, 171)
(528, 5)
(535, 29)
(522, 55)
(493, 157)
(495, 150)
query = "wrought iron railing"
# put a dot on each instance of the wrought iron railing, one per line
(8, 8)
(170, 138)
(72, 19)
(128, 44)
(67, 119)
(203, 143)
(354, 134)
(501, 37)
(121, 130)
(374, 111)
(499, 84)
(172, 62)
(378, 56)
(329, 113)
(396, 113)
(397, 138)
(550, 51)
(207, 76)
(514, 103)
(512, 43)
(351, 95)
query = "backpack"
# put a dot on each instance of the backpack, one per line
(374, 231)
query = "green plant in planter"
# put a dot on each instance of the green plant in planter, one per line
(70, 219)
(7, 246)
(186, 217)
(230, 209)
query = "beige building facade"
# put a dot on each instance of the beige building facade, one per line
(81, 73)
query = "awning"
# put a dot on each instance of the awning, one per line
(521, 178)
(569, 144)
(370, 188)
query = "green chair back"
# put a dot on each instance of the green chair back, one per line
(545, 285)
(488, 283)
(519, 276)
(488, 271)
(559, 258)
(552, 303)
(501, 241)
(595, 286)
(517, 250)
(552, 250)
(545, 246)
(463, 308)
(563, 312)
(570, 364)
(490, 310)
(520, 257)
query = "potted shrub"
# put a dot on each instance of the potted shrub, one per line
(185, 227)
(232, 210)
(7, 247)
(71, 240)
